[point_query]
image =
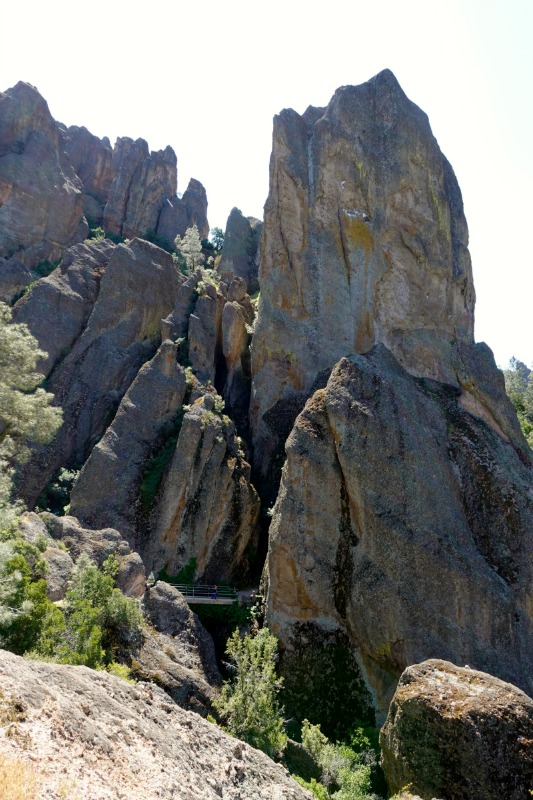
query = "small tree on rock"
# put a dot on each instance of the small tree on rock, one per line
(189, 247)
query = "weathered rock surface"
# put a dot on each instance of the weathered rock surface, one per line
(364, 241)
(138, 288)
(109, 739)
(92, 161)
(239, 255)
(207, 508)
(402, 531)
(58, 560)
(116, 466)
(144, 180)
(98, 545)
(58, 307)
(178, 214)
(14, 276)
(41, 207)
(177, 652)
(205, 334)
(458, 734)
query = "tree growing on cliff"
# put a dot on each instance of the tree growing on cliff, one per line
(249, 703)
(26, 414)
(189, 247)
(519, 387)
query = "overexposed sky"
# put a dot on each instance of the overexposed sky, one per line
(207, 76)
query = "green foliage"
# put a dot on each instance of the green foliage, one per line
(189, 247)
(56, 496)
(228, 616)
(155, 467)
(96, 620)
(346, 767)
(44, 268)
(160, 241)
(519, 387)
(96, 233)
(248, 704)
(187, 574)
(26, 413)
(217, 238)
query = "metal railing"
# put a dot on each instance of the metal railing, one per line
(205, 591)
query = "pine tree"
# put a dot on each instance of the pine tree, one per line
(190, 248)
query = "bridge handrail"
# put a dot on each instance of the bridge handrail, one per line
(204, 590)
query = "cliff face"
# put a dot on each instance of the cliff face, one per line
(364, 241)
(402, 525)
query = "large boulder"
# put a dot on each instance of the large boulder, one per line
(122, 332)
(146, 416)
(403, 530)
(107, 738)
(207, 508)
(364, 241)
(41, 206)
(458, 734)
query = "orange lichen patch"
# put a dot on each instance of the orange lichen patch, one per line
(291, 596)
(358, 234)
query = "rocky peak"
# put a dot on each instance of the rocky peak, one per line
(365, 241)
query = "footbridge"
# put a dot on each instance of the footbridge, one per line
(213, 594)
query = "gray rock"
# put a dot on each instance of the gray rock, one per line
(107, 738)
(178, 214)
(404, 527)
(457, 733)
(239, 254)
(117, 463)
(121, 334)
(41, 207)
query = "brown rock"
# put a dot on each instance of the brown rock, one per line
(41, 209)
(107, 738)
(364, 241)
(14, 277)
(92, 160)
(121, 334)
(207, 508)
(458, 734)
(205, 335)
(403, 529)
(116, 465)
(239, 255)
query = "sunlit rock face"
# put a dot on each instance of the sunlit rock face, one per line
(403, 530)
(364, 241)
(41, 205)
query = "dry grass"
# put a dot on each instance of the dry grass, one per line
(18, 780)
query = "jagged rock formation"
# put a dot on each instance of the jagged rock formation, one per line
(121, 334)
(402, 527)
(458, 733)
(239, 255)
(207, 508)
(108, 739)
(53, 180)
(144, 419)
(41, 207)
(364, 241)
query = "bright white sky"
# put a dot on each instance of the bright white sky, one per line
(207, 76)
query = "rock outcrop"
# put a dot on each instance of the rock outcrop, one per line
(92, 161)
(41, 206)
(207, 508)
(180, 213)
(239, 255)
(121, 334)
(106, 738)
(177, 653)
(364, 241)
(403, 531)
(115, 469)
(458, 734)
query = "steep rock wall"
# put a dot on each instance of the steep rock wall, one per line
(364, 241)
(402, 531)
